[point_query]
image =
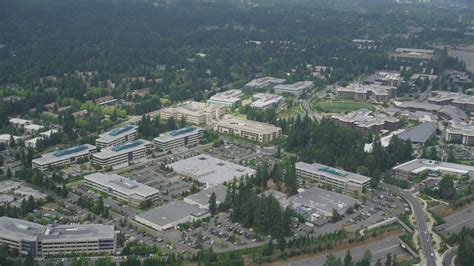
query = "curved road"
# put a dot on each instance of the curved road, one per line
(449, 256)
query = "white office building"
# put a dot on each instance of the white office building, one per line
(264, 101)
(117, 136)
(123, 188)
(195, 112)
(183, 137)
(263, 82)
(228, 98)
(63, 157)
(122, 154)
(248, 129)
(296, 89)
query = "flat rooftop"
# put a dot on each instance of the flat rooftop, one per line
(365, 118)
(20, 229)
(210, 170)
(122, 184)
(123, 148)
(117, 133)
(248, 125)
(420, 133)
(297, 86)
(264, 81)
(420, 165)
(63, 154)
(334, 173)
(230, 96)
(461, 129)
(178, 134)
(193, 108)
(262, 100)
(170, 213)
(202, 197)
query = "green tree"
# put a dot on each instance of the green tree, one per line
(212, 204)
(446, 188)
(348, 259)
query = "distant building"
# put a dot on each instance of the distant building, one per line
(366, 121)
(210, 170)
(117, 136)
(363, 44)
(388, 78)
(419, 76)
(123, 188)
(63, 157)
(52, 240)
(105, 100)
(264, 101)
(230, 97)
(122, 154)
(20, 123)
(296, 89)
(183, 137)
(417, 167)
(331, 177)
(263, 82)
(170, 215)
(419, 134)
(32, 129)
(201, 199)
(5, 138)
(414, 54)
(195, 112)
(445, 112)
(461, 133)
(360, 92)
(248, 129)
(458, 77)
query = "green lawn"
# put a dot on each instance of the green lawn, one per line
(291, 112)
(341, 106)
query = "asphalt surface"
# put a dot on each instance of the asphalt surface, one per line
(448, 259)
(424, 233)
(454, 223)
(378, 249)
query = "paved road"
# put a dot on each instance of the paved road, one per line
(454, 223)
(378, 249)
(423, 230)
(448, 259)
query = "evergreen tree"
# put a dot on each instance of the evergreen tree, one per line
(212, 204)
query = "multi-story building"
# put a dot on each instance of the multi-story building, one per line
(461, 133)
(456, 99)
(366, 121)
(418, 167)
(20, 123)
(410, 54)
(117, 136)
(334, 178)
(252, 130)
(195, 112)
(229, 97)
(63, 157)
(388, 78)
(183, 137)
(296, 89)
(359, 92)
(264, 101)
(122, 154)
(263, 82)
(123, 188)
(51, 240)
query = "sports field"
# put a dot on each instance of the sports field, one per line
(342, 106)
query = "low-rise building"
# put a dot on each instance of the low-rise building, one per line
(419, 134)
(63, 157)
(264, 101)
(122, 154)
(418, 167)
(458, 77)
(201, 199)
(251, 130)
(6, 138)
(364, 44)
(446, 112)
(123, 188)
(411, 54)
(366, 121)
(331, 177)
(183, 137)
(170, 215)
(117, 136)
(296, 89)
(20, 123)
(228, 98)
(52, 240)
(263, 82)
(360, 92)
(388, 78)
(210, 170)
(195, 112)
(32, 129)
(461, 133)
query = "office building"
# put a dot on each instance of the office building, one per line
(410, 54)
(419, 134)
(456, 99)
(262, 101)
(117, 136)
(263, 82)
(230, 97)
(461, 133)
(331, 177)
(122, 154)
(183, 137)
(248, 129)
(458, 77)
(20, 123)
(364, 44)
(445, 112)
(360, 92)
(296, 89)
(195, 112)
(32, 129)
(210, 170)
(366, 121)
(6, 138)
(123, 188)
(418, 167)
(201, 199)
(52, 240)
(63, 157)
(388, 78)
(170, 215)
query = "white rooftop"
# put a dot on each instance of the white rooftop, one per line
(122, 184)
